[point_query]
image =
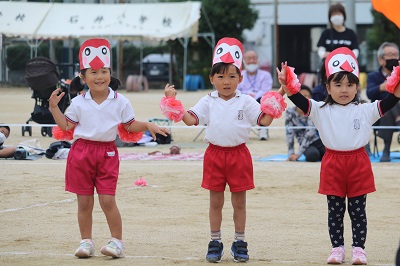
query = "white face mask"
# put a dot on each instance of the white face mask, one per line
(2, 138)
(251, 67)
(337, 20)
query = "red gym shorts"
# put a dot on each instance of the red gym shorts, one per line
(228, 165)
(346, 173)
(92, 164)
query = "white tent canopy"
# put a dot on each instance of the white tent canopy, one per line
(153, 21)
(158, 21)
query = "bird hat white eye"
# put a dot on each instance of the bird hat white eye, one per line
(95, 54)
(341, 59)
(229, 50)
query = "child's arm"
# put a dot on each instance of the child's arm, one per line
(297, 98)
(58, 116)
(138, 126)
(179, 113)
(393, 87)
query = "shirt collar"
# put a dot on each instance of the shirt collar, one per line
(111, 94)
(214, 94)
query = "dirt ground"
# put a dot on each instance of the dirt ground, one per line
(166, 223)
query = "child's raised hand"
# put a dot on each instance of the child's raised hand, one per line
(282, 74)
(55, 98)
(169, 90)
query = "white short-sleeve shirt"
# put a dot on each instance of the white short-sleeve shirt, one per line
(99, 122)
(228, 122)
(344, 128)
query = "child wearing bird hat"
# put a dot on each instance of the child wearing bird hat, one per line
(229, 116)
(93, 120)
(344, 125)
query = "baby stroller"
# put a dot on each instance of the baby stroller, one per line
(43, 78)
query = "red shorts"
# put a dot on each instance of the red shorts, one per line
(346, 173)
(232, 165)
(92, 164)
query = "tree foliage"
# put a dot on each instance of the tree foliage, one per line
(228, 17)
(383, 30)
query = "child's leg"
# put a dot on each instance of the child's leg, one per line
(110, 209)
(85, 210)
(215, 212)
(358, 218)
(239, 211)
(336, 210)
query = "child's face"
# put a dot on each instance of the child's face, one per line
(226, 83)
(343, 91)
(97, 80)
(4, 131)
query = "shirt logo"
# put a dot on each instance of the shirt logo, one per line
(240, 114)
(357, 124)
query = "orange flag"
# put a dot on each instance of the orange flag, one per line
(389, 8)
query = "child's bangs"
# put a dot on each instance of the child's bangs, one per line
(337, 77)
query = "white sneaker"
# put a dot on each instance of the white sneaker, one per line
(263, 133)
(337, 255)
(114, 248)
(86, 249)
(358, 256)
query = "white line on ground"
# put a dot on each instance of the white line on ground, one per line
(37, 205)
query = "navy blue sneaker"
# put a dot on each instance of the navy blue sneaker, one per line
(239, 251)
(215, 251)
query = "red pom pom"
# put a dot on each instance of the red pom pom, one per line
(172, 108)
(60, 134)
(292, 83)
(127, 136)
(273, 104)
(393, 79)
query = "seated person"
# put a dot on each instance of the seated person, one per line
(5, 151)
(388, 56)
(256, 82)
(309, 142)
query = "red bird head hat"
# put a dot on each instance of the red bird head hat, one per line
(341, 59)
(95, 54)
(229, 50)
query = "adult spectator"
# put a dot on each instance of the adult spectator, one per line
(309, 142)
(338, 35)
(388, 57)
(5, 151)
(256, 82)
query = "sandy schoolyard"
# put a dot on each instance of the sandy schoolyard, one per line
(166, 223)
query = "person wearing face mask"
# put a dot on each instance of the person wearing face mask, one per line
(256, 82)
(388, 57)
(5, 151)
(338, 35)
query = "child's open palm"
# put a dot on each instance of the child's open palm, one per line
(55, 98)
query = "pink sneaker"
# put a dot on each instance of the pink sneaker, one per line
(359, 256)
(337, 255)
(114, 248)
(86, 249)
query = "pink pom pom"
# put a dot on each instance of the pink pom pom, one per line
(127, 136)
(60, 134)
(172, 108)
(140, 182)
(393, 79)
(292, 83)
(273, 104)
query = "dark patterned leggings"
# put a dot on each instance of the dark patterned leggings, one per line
(356, 209)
